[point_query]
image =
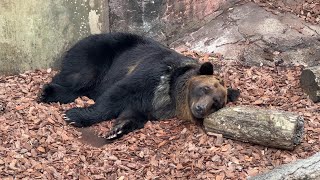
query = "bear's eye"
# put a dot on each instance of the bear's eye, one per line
(221, 81)
(205, 89)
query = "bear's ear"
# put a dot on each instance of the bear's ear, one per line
(233, 94)
(206, 69)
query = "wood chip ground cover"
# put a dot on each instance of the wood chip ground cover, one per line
(35, 142)
(308, 10)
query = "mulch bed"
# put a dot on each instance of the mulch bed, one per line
(35, 142)
(308, 10)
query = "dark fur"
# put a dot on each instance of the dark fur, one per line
(131, 78)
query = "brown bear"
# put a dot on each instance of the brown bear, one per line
(134, 79)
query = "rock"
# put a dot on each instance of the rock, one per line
(310, 83)
(302, 169)
(255, 36)
(164, 20)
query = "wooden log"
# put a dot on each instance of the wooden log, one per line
(272, 128)
(310, 82)
(302, 169)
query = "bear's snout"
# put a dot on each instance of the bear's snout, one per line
(207, 105)
(199, 110)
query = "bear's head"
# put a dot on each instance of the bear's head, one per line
(208, 93)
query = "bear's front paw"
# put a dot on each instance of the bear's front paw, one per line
(73, 118)
(118, 130)
(114, 134)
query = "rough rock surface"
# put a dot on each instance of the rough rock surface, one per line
(302, 169)
(255, 36)
(308, 10)
(164, 20)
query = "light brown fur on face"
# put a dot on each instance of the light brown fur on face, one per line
(215, 82)
(204, 94)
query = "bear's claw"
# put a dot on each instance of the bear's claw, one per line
(65, 117)
(116, 133)
(74, 118)
(40, 97)
(111, 136)
(44, 93)
(71, 121)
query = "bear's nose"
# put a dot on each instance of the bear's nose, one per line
(200, 109)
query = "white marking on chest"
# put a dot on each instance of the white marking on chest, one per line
(162, 98)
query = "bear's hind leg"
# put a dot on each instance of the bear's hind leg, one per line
(127, 122)
(84, 117)
(109, 105)
(56, 93)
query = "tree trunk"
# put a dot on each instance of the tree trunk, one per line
(302, 169)
(310, 82)
(271, 128)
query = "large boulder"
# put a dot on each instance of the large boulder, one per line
(255, 36)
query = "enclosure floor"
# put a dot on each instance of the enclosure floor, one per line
(35, 142)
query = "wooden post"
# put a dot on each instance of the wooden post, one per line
(310, 82)
(270, 128)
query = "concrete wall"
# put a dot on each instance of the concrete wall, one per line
(34, 33)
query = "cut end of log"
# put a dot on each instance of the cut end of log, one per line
(310, 81)
(271, 128)
(298, 133)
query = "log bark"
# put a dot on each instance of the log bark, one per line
(302, 169)
(310, 82)
(271, 128)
